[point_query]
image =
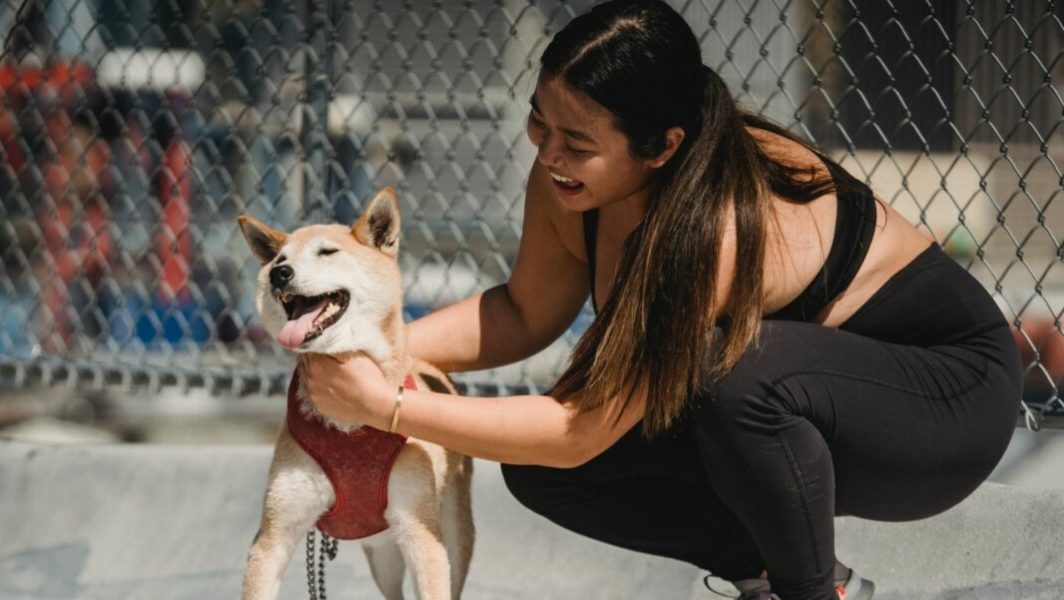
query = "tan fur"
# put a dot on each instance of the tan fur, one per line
(429, 510)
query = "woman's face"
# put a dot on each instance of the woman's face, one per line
(587, 157)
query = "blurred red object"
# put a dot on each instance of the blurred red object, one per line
(172, 241)
(63, 75)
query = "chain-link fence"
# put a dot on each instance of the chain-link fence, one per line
(134, 132)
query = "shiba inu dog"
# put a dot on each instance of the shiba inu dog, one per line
(332, 289)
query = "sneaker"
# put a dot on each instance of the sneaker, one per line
(754, 589)
(749, 589)
(850, 586)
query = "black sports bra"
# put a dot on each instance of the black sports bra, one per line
(855, 225)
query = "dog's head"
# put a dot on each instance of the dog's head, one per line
(329, 288)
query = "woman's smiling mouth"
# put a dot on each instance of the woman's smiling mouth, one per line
(566, 185)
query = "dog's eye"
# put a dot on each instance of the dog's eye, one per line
(326, 251)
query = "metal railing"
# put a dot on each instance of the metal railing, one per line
(133, 133)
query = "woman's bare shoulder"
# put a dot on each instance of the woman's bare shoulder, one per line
(788, 152)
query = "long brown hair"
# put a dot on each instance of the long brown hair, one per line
(655, 333)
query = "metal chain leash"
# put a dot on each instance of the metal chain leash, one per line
(310, 565)
(316, 580)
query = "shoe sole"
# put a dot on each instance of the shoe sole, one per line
(863, 591)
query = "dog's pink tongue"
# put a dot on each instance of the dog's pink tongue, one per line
(295, 331)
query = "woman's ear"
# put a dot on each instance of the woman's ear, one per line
(673, 138)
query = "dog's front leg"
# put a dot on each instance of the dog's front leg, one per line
(456, 521)
(297, 494)
(269, 557)
(421, 542)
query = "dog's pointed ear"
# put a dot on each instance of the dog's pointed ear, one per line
(264, 242)
(379, 224)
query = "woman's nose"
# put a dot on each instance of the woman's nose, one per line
(549, 154)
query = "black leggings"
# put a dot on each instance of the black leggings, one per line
(897, 415)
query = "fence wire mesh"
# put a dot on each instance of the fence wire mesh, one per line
(133, 133)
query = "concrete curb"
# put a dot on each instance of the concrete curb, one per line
(175, 522)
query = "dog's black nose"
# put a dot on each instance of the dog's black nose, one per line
(281, 275)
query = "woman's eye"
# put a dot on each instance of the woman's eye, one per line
(577, 150)
(326, 251)
(536, 132)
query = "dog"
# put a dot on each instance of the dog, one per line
(332, 289)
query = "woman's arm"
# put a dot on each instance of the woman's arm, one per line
(465, 336)
(515, 320)
(515, 429)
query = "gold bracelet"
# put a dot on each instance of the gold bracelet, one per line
(395, 414)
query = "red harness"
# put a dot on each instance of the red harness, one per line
(358, 464)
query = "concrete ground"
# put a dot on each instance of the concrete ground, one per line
(174, 522)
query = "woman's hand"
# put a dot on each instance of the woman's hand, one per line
(350, 389)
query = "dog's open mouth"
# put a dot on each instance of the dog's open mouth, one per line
(309, 316)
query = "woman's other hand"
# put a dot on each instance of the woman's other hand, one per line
(349, 388)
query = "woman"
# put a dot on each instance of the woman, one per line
(773, 346)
